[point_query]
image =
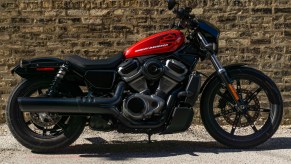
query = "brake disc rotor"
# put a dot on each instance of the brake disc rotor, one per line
(228, 111)
(45, 119)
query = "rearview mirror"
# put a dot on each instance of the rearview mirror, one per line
(171, 4)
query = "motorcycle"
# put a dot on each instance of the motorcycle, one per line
(149, 88)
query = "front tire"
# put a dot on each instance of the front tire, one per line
(33, 133)
(238, 129)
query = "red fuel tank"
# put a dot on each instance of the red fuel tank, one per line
(163, 42)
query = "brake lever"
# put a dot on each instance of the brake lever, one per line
(180, 26)
(188, 10)
(173, 25)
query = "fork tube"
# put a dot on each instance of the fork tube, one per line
(224, 77)
(218, 67)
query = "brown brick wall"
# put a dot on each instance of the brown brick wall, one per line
(254, 32)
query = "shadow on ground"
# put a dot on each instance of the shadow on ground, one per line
(116, 150)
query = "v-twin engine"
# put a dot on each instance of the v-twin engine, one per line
(149, 102)
(140, 106)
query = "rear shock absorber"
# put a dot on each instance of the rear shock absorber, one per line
(57, 80)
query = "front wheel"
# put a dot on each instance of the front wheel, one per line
(262, 114)
(42, 132)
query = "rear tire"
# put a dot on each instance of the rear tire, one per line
(20, 128)
(243, 129)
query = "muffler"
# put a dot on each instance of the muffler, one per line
(80, 105)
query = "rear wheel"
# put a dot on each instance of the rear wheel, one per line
(246, 128)
(42, 132)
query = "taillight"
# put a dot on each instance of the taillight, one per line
(45, 69)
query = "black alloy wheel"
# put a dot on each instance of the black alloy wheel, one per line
(250, 124)
(42, 132)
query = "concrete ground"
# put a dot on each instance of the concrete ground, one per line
(193, 146)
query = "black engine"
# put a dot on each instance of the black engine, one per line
(149, 101)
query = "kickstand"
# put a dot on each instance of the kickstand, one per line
(149, 138)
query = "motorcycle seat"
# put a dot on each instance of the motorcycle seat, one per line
(87, 64)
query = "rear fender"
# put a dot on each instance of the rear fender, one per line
(41, 67)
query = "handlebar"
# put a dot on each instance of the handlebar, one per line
(182, 12)
(187, 20)
(190, 22)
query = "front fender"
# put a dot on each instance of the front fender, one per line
(37, 67)
(213, 75)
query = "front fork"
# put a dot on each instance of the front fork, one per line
(220, 70)
(225, 79)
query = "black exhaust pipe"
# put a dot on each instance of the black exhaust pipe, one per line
(88, 106)
(80, 105)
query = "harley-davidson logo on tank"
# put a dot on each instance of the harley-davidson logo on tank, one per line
(167, 41)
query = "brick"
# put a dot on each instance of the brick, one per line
(94, 20)
(4, 20)
(50, 13)
(225, 19)
(262, 10)
(121, 28)
(282, 25)
(105, 43)
(32, 13)
(282, 2)
(54, 13)
(30, 5)
(8, 5)
(46, 21)
(254, 32)
(79, 29)
(69, 20)
(261, 41)
(9, 28)
(97, 28)
(5, 37)
(31, 29)
(287, 33)
(23, 52)
(77, 13)
(69, 36)
(21, 20)
(118, 12)
(99, 12)
(283, 10)
(262, 3)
